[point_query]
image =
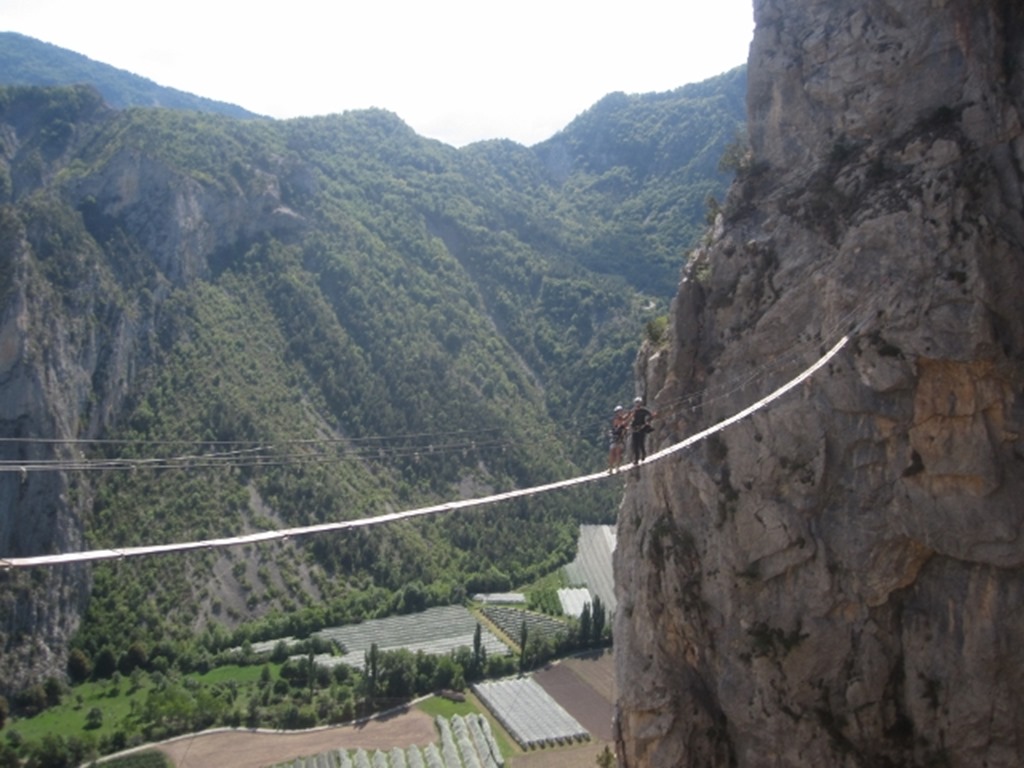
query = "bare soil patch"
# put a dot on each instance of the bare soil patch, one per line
(570, 684)
(578, 756)
(598, 670)
(256, 749)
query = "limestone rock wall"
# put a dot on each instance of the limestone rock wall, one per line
(838, 580)
(79, 323)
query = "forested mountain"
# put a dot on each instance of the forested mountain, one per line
(641, 168)
(210, 326)
(27, 61)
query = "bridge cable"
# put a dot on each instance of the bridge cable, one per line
(450, 506)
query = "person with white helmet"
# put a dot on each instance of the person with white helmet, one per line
(640, 426)
(617, 437)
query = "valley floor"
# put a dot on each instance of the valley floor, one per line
(584, 685)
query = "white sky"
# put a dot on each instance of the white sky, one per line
(454, 70)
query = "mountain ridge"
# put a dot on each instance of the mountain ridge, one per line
(25, 60)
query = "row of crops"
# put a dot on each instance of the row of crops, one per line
(510, 621)
(466, 741)
(529, 713)
(470, 740)
(593, 564)
(436, 631)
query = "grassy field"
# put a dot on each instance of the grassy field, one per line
(149, 758)
(436, 705)
(120, 701)
(115, 702)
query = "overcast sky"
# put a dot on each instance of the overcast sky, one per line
(454, 70)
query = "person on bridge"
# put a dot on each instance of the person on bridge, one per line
(617, 437)
(640, 426)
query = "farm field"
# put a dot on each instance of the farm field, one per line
(597, 670)
(257, 749)
(593, 564)
(529, 713)
(576, 756)
(436, 631)
(463, 741)
(249, 749)
(510, 622)
(573, 599)
(584, 687)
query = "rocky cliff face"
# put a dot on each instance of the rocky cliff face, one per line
(29, 377)
(77, 326)
(837, 580)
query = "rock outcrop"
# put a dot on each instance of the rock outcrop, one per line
(77, 326)
(838, 580)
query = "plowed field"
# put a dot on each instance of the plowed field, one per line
(585, 687)
(250, 749)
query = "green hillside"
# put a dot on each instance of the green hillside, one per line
(640, 169)
(260, 324)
